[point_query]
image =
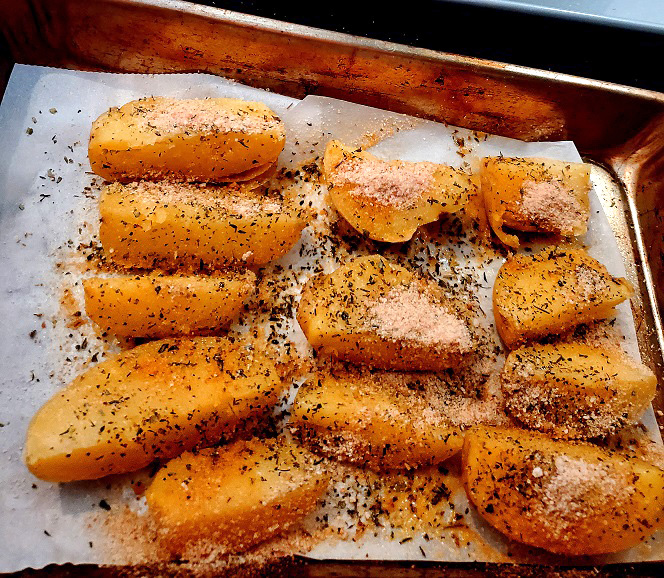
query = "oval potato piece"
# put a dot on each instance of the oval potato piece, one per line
(236, 496)
(389, 200)
(567, 498)
(151, 402)
(536, 195)
(552, 292)
(372, 312)
(160, 306)
(387, 420)
(209, 140)
(572, 390)
(174, 224)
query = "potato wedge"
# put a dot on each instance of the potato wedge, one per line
(148, 224)
(372, 312)
(235, 496)
(551, 292)
(389, 420)
(571, 390)
(160, 306)
(536, 195)
(154, 401)
(389, 200)
(209, 140)
(568, 498)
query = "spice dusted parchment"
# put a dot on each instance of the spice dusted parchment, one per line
(48, 219)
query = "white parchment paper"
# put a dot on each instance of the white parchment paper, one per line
(45, 119)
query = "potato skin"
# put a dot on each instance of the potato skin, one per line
(165, 224)
(360, 419)
(151, 402)
(159, 306)
(502, 181)
(567, 498)
(209, 140)
(449, 192)
(236, 496)
(572, 390)
(551, 292)
(333, 313)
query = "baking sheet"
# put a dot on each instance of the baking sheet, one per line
(45, 213)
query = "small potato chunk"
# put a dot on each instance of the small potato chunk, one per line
(379, 314)
(571, 390)
(150, 224)
(235, 496)
(567, 498)
(389, 200)
(152, 402)
(210, 140)
(536, 195)
(551, 292)
(160, 306)
(388, 420)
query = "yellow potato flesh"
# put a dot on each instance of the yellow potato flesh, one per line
(572, 390)
(551, 292)
(448, 191)
(374, 421)
(211, 140)
(151, 224)
(333, 313)
(165, 305)
(568, 498)
(235, 496)
(505, 184)
(154, 401)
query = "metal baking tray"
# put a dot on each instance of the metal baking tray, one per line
(618, 128)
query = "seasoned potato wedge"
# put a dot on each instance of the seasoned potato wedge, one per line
(568, 498)
(210, 140)
(389, 200)
(235, 496)
(154, 401)
(388, 420)
(538, 195)
(166, 305)
(551, 292)
(572, 390)
(146, 224)
(379, 314)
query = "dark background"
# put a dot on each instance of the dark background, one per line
(602, 52)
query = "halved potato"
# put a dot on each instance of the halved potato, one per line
(159, 305)
(568, 498)
(538, 195)
(235, 496)
(146, 224)
(210, 140)
(571, 390)
(152, 402)
(389, 420)
(372, 312)
(389, 200)
(551, 292)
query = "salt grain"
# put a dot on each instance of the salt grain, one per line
(577, 487)
(589, 281)
(396, 184)
(407, 313)
(170, 115)
(552, 206)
